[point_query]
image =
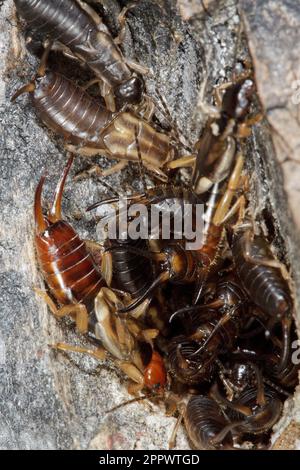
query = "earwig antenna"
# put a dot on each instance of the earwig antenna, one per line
(205, 8)
(141, 166)
(167, 114)
(129, 402)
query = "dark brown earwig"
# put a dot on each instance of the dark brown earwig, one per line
(205, 421)
(262, 279)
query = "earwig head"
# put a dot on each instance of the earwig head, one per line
(43, 84)
(130, 91)
(54, 214)
(237, 99)
(155, 375)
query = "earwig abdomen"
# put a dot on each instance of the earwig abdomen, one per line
(265, 285)
(69, 111)
(263, 417)
(65, 21)
(132, 272)
(204, 420)
(66, 265)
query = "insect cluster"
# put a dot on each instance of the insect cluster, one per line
(206, 329)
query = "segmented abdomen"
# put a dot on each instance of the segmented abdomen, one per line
(68, 110)
(265, 285)
(263, 418)
(67, 267)
(67, 22)
(132, 272)
(204, 420)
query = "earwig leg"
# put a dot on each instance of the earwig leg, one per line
(79, 310)
(91, 12)
(150, 334)
(98, 353)
(244, 129)
(146, 109)
(107, 268)
(122, 23)
(233, 184)
(97, 170)
(260, 399)
(92, 82)
(172, 440)
(41, 71)
(218, 93)
(108, 96)
(157, 172)
(87, 151)
(141, 69)
(185, 161)
(222, 434)
(134, 374)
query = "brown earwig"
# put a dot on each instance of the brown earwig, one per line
(91, 129)
(205, 421)
(82, 33)
(261, 277)
(215, 151)
(67, 267)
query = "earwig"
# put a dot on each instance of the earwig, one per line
(261, 277)
(91, 129)
(67, 267)
(215, 151)
(205, 421)
(81, 31)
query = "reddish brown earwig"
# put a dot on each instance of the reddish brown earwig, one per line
(67, 267)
